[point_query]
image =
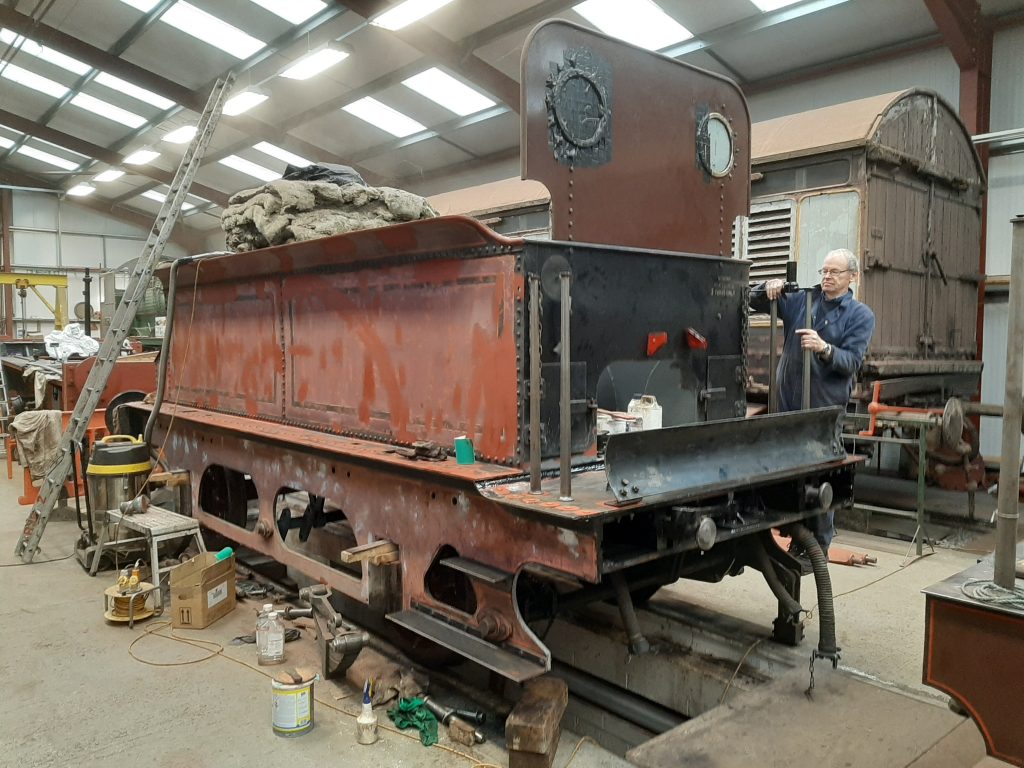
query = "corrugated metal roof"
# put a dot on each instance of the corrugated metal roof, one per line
(815, 131)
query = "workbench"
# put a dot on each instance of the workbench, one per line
(973, 651)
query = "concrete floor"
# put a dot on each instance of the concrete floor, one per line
(74, 695)
(879, 608)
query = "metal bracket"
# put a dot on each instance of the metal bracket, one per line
(339, 643)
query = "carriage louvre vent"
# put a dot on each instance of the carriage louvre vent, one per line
(770, 239)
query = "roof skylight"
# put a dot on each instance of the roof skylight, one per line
(450, 93)
(107, 110)
(33, 81)
(141, 156)
(208, 28)
(404, 14)
(180, 135)
(46, 157)
(33, 48)
(384, 117)
(282, 154)
(251, 169)
(129, 89)
(244, 101)
(108, 175)
(159, 197)
(773, 5)
(80, 68)
(295, 11)
(640, 22)
(314, 63)
(81, 190)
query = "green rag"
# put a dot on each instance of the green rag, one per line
(413, 713)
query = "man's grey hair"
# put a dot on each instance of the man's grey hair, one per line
(845, 253)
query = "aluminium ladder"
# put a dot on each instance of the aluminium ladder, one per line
(120, 324)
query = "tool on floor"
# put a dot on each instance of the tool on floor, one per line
(458, 728)
(339, 642)
(366, 723)
(120, 325)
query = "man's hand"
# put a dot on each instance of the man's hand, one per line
(809, 339)
(773, 289)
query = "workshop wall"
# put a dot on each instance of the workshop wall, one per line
(56, 236)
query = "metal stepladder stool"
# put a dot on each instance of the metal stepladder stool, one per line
(156, 525)
(110, 346)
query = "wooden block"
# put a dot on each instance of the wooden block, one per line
(461, 732)
(385, 559)
(366, 551)
(533, 727)
(169, 479)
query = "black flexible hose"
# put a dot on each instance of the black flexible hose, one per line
(763, 563)
(826, 608)
(165, 345)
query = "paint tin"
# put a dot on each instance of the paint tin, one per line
(292, 713)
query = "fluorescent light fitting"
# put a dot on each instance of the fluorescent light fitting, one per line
(208, 28)
(295, 11)
(31, 80)
(32, 48)
(384, 117)
(128, 89)
(282, 154)
(108, 175)
(404, 14)
(141, 156)
(640, 22)
(450, 93)
(251, 169)
(773, 5)
(143, 5)
(180, 135)
(5, 142)
(159, 197)
(243, 102)
(314, 63)
(46, 157)
(81, 190)
(108, 110)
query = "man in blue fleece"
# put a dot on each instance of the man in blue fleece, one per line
(840, 331)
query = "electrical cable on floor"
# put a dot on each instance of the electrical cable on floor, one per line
(810, 613)
(988, 592)
(37, 562)
(739, 666)
(577, 749)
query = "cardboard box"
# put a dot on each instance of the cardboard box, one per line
(202, 590)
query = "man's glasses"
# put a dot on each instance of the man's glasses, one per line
(832, 272)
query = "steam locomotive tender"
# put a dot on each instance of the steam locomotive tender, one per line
(315, 391)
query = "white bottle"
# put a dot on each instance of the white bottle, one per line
(366, 723)
(647, 409)
(269, 637)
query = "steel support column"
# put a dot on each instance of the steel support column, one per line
(6, 201)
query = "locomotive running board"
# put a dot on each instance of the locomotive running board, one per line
(677, 463)
(516, 668)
